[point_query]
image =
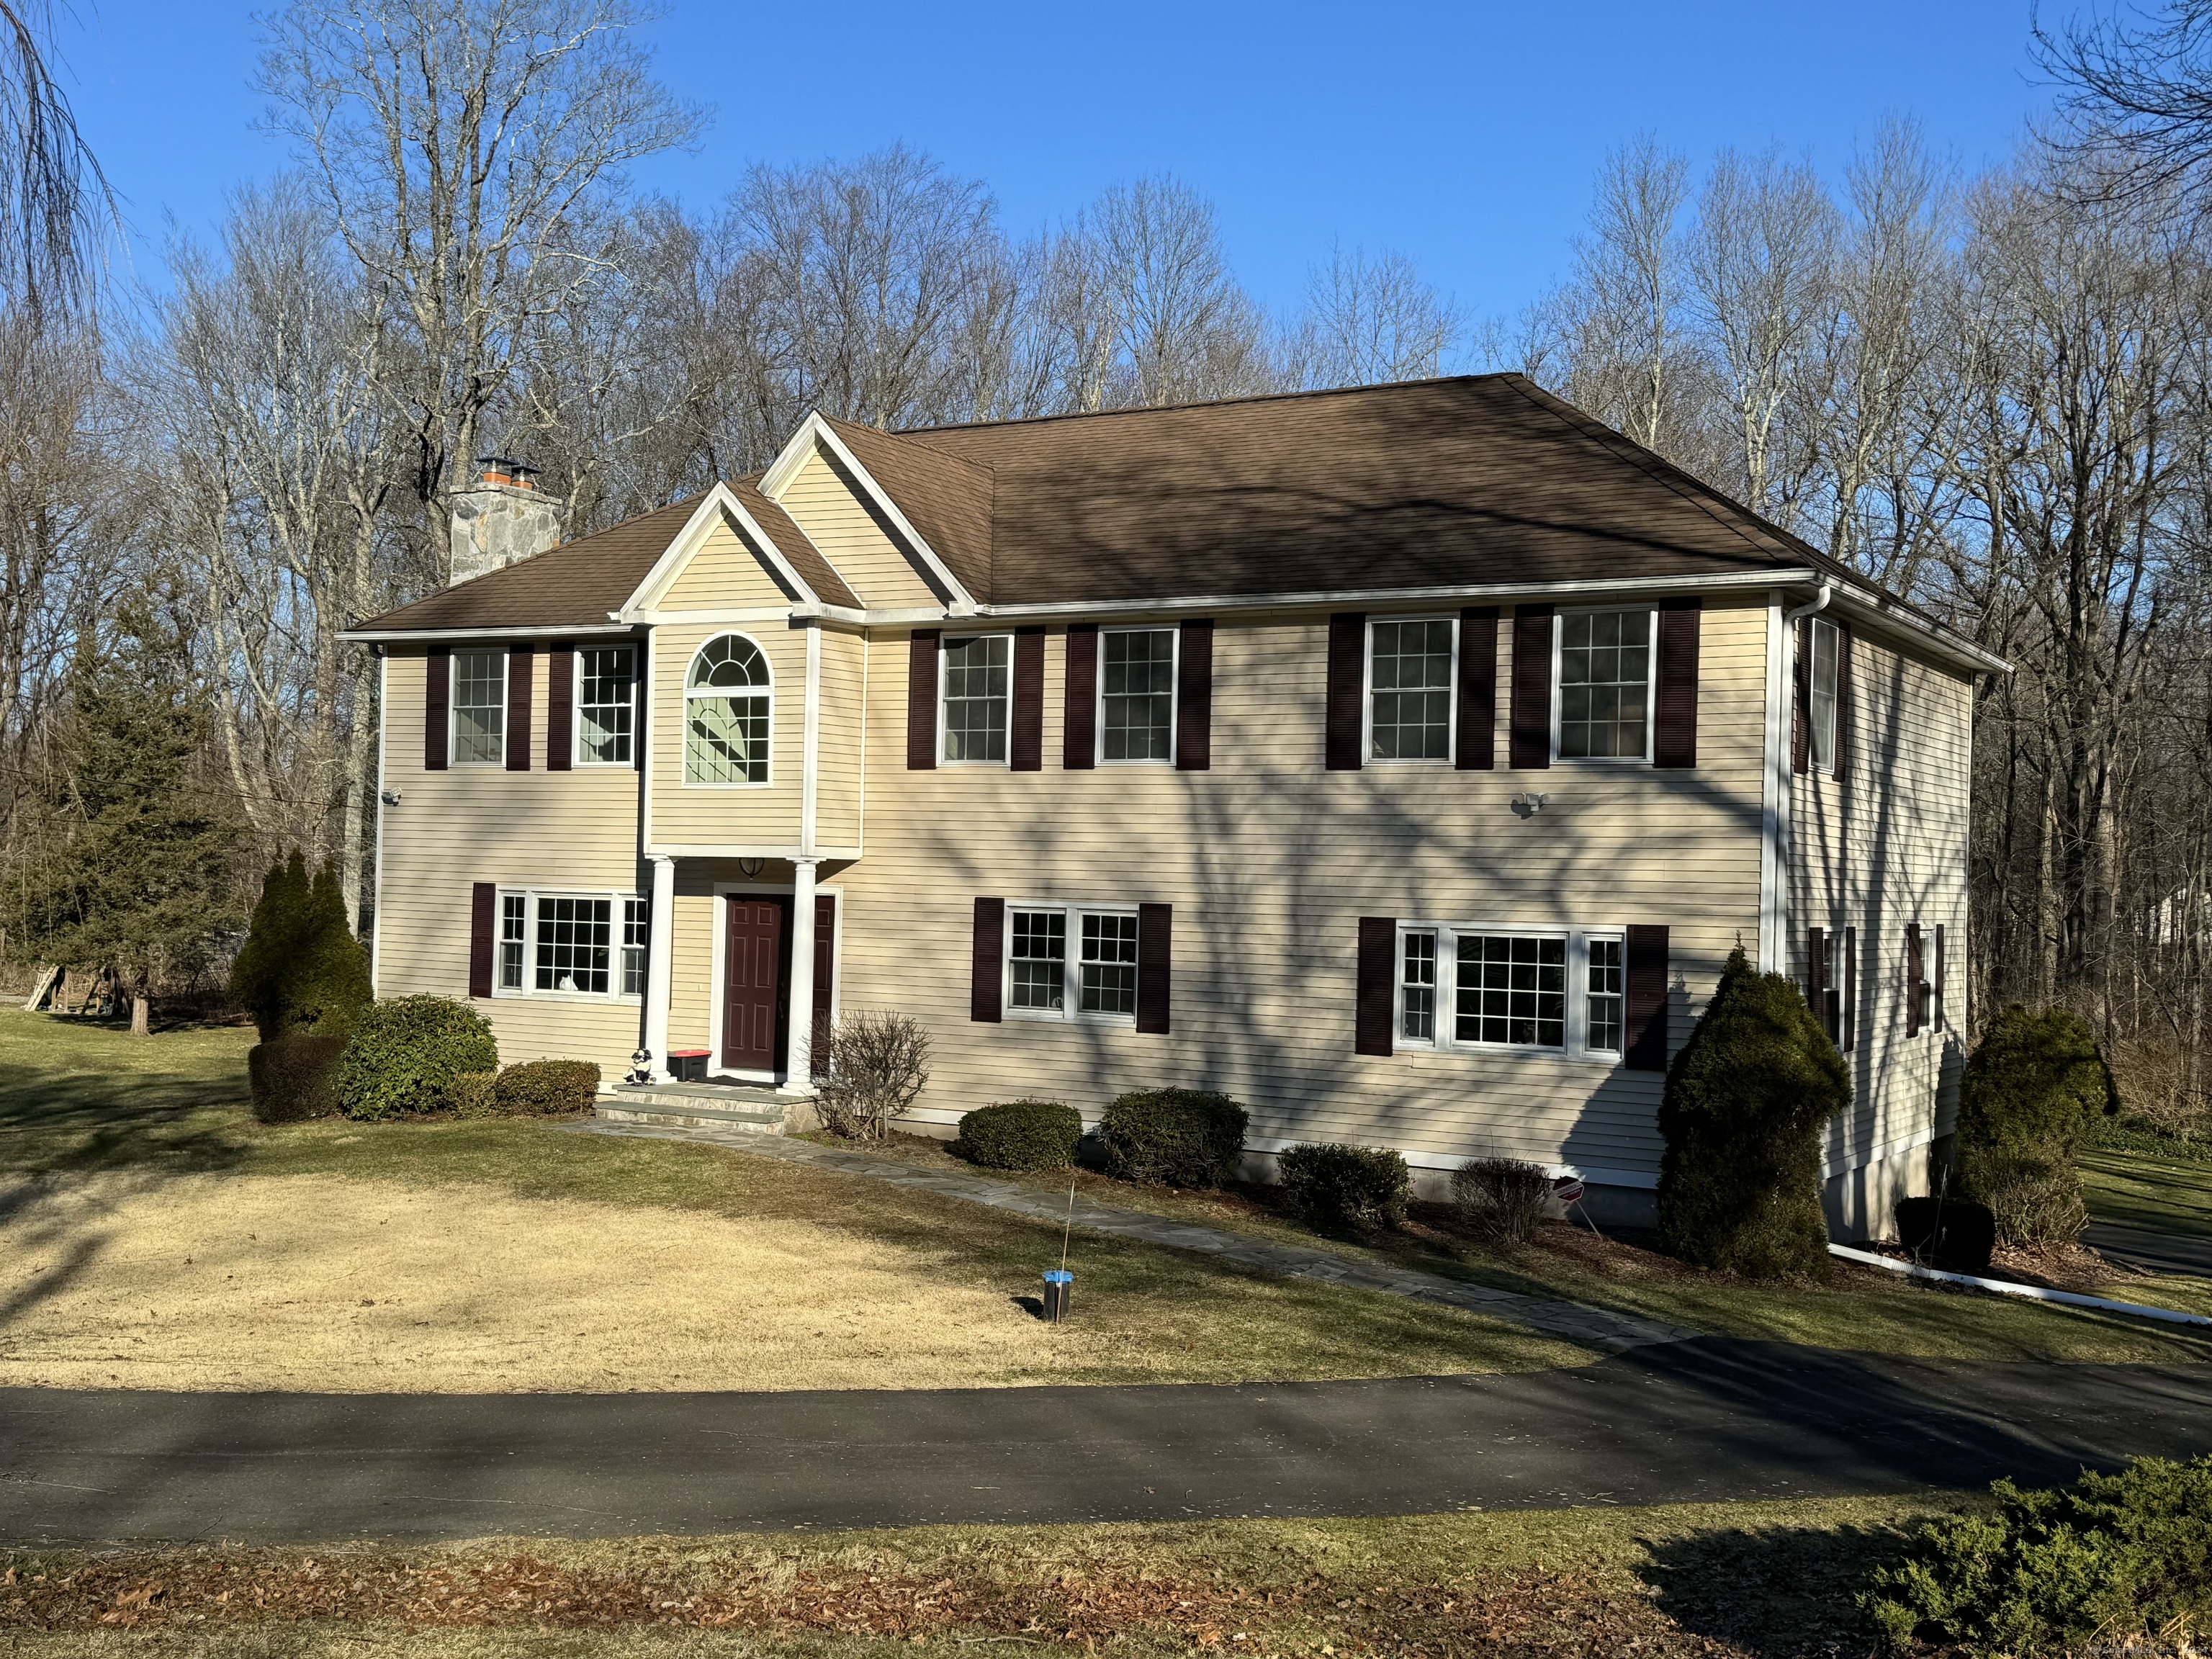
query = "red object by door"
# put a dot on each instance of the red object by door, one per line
(753, 1001)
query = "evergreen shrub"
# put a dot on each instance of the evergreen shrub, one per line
(300, 969)
(2116, 1559)
(472, 1095)
(1020, 1135)
(1746, 1102)
(2031, 1096)
(1360, 1189)
(546, 1088)
(290, 1078)
(1173, 1137)
(405, 1055)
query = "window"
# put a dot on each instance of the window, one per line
(1097, 981)
(1561, 989)
(605, 687)
(1409, 675)
(727, 708)
(479, 708)
(977, 687)
(1820, 681)
(563, 945)
(1605, 685)
(1137, 695)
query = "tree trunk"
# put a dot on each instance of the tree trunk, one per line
(142, 1008)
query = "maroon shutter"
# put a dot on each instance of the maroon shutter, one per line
(1080, 740)
(1478, 690)
(825, 967)
(1939, 976)
(1914, 979)
(1530, 747)
(1347, 653)
(1377, 985)
(1816, 967)
(1843, 701)
(1850, 977)
(483, 919)
(518, 660)
(1800, 701)
(921, 703)
(640, 654)
(987, 964)
(1194, 696)
(1675, 697)
(1025, 740)
(1155, 966)
(560, 707)
(437, 706)
(1646, 1050)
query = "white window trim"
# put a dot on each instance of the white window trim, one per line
(1814, 760)
(1446, 1021)
(1367, 755)
(1071, 994)
(689, 691)
(530, 895)
(453, 705)
(576, 757)
(943, 644)
(1098, 706)
(1650, 684)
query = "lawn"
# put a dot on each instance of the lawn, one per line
(2137, 1187)
(1774, 1579)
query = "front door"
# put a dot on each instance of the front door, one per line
(755, 955)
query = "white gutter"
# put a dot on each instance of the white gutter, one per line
(2006, 1288)
(1819, 602)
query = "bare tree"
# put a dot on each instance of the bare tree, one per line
(54, 200)
(1372, 320)
(1182, 329)
(2136, 97)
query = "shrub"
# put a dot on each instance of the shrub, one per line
(300, 969)
(2110, 1557)
(290, 1078)
(1358, 1188)
(2029, 1098)
(873, 1065)
(1746, 1102)
(472, 1095)
(406, 1053)
(546, 1088)
(1501, 1198)
(1020, 1135)
(1173, 1137)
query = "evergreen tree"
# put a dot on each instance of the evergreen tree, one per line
(272, 941)
(121, 865)
(301, 972)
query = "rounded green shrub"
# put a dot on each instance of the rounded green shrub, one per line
(1360, 1189)
(1746, 1101)
(1020, 1135)
(290, 1078)
(1174, 1137)
(2029, 1099)
(2112, 1559)
(546, 1088)
(470, 1095)
(405, 1055)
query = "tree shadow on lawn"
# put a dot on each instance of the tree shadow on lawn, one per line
(71, 1120)
(1785, 1593)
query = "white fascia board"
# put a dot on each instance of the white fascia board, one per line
(687, 541)
(1867, 605)
(784, 851)
(535, 631)
(813, 430)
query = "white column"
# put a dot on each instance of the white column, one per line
(659, 955)
(799, 1068)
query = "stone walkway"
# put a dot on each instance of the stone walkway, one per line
(1591, 1328)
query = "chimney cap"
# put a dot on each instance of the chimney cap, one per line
(506, 470)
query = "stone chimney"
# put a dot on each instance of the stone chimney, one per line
(505, 517)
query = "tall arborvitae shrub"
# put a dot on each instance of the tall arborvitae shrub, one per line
(272, 941)
(300, 970)
(2027, 1100)
(1746, 1101)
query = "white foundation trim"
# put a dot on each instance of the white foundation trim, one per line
(2006, 1288)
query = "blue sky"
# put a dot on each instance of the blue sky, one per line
(1466, 136)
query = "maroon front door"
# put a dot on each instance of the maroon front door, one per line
(754, 1002)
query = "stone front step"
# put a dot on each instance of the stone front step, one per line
(697, 1106)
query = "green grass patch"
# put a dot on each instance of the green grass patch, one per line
(2162, 1191)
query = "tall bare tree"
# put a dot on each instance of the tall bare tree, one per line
(1369, 320)
(55, 202)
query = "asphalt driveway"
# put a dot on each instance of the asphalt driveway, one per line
(1707, 1419)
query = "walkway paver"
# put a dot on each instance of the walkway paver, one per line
(1592, 1328)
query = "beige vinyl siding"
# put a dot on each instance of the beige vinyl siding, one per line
(842, 735)
(1269, 861)
(1884, 846)
(852, 537)
(729, 815)
(451, 830)
(723, 572)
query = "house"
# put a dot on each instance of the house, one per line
(1403, 761)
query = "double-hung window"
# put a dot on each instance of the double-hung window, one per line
(571, 944)
(1557, 990)
(1409, 700)
(1072, 961)
(978, 682)
(1136, 694)
(479, 709)
(728, 710)
(1605, 685)
(1820, 683)
(606, 692)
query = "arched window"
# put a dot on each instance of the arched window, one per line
(727, 708)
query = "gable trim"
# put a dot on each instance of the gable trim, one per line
(688, 541)
(815, 430)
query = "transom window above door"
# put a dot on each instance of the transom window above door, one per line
(728, 713)
(978, 681)
(1137, 694)
(1605, 685)
(479, 706)
(1409, 679)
